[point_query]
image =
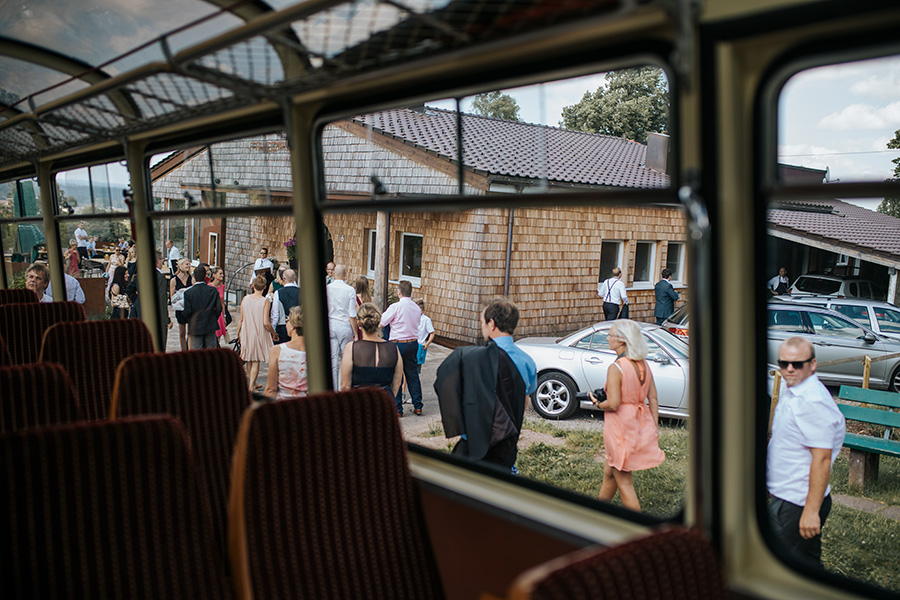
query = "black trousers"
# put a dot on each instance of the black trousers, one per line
(610, 311)
(785, 519)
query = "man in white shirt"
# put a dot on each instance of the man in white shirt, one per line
(341, 319)
(807, 435)
(37, 278)
(81, 239)
(263, 266)
(780, 284)
(174, 255)
(613, 293)
(74, 293)
(282, 301)
(403, 316)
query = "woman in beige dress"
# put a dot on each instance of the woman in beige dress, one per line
(254, 330)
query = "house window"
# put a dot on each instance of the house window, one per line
(675, 260)
(370, 263)
(842, 260)
(610, 258)
(213, 250)
(644, 256)
(411, 257)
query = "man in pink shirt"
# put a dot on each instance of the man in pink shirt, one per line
(403, 316)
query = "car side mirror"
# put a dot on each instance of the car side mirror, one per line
(869, 338)
(660, 358)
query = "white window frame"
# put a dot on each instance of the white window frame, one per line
(680, 278)
(415, 281)
(371, 252)
(620, 253)
(213, 248)
(842, 260)
(651, 267)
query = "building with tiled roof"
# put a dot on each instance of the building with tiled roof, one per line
(832, 236)
(455, 260)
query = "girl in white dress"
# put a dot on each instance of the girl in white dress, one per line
(287, 362)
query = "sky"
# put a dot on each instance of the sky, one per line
(842, 117)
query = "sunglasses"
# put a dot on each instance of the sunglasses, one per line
(797, 364)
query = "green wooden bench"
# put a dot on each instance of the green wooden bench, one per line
(865, 450)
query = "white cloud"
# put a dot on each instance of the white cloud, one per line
(881, 86)
(862, 116)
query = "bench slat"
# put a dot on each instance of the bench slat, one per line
(878, 397)
(870, 415)
(868, 443)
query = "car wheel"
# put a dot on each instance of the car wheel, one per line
(555, 396)
(894, 384)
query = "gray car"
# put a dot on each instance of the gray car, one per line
(881, 317)
(579, 362)
(835, 336)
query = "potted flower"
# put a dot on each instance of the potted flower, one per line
(290, 247)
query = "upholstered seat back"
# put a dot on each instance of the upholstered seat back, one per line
(22, 326)
(323, 504)
(36, 396)
(105, 510)
(17, 296)
(91, 351)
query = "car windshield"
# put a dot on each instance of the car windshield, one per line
(672, 343)
(888, 319)
(815, 285)
(680, 316)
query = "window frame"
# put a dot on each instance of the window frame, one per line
(371, 252)
(620, 253)
(679, 277)
(415, 281)
(651, 266)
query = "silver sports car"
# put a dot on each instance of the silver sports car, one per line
(578, 363)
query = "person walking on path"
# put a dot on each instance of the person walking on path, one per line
(217, 281)
(341, 319)
(483, 390)
(666, 296)
(174, 255)
(202, 307)
(613, 293)
(403, 317)
(254, 331)
(807, 435)
(81, 242)
(287, 362)
(361, 285)
(71, 257)
(631, 422)
(181, 281)
(370, 360)
(283, 300)
(425, 337)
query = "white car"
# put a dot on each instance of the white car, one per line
(578, 363)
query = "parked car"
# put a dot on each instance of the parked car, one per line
(881, 317)
(834, 336)
(677, 323)
(579, 362)
(832, 285)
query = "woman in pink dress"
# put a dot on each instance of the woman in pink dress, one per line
(254, 330)
(630, 426)
(217, 280)
(70, 256)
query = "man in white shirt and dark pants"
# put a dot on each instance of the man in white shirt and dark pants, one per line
(613, 293)
(282, 301)
(341, 319)
(807, 435)
(81, 239)
(403, 316)
(174, 255)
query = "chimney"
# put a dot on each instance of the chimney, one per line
(658, 152)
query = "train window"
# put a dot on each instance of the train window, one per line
(836, 128)
(93, 190)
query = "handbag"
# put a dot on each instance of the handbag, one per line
(178, 299)
(236, 345)
(227, 317)
(623, 314)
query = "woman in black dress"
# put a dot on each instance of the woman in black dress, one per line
(182, 279)
(371, 361)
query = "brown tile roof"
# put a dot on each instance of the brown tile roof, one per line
(517, 149)
(844, 223)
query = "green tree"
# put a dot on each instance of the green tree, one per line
(633, 103)
(496, 105)
(891, 204)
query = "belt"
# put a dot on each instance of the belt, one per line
(405, 341)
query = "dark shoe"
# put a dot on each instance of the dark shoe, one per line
(417, 412)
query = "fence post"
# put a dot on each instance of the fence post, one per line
(776, 387)
(867, 370)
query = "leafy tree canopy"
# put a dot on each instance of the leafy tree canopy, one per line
(496, 105)
(891, 205)
(634, 102)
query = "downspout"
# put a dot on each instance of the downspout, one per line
(509, 238)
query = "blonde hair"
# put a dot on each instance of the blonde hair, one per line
(295, 318)
(369, 317)
(635, 345)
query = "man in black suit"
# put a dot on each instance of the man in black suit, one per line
(202, 307)
(665, 297)
(162, 297)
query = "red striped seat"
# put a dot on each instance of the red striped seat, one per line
(323, 504)
(207, 391)
(5, 358)
(675, 564)
(36, 396)
(105, 510)
(17, 296)
(91, 351)
(22, 326)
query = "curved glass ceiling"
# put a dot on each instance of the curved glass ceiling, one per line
(96, 32)
(19, 78)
